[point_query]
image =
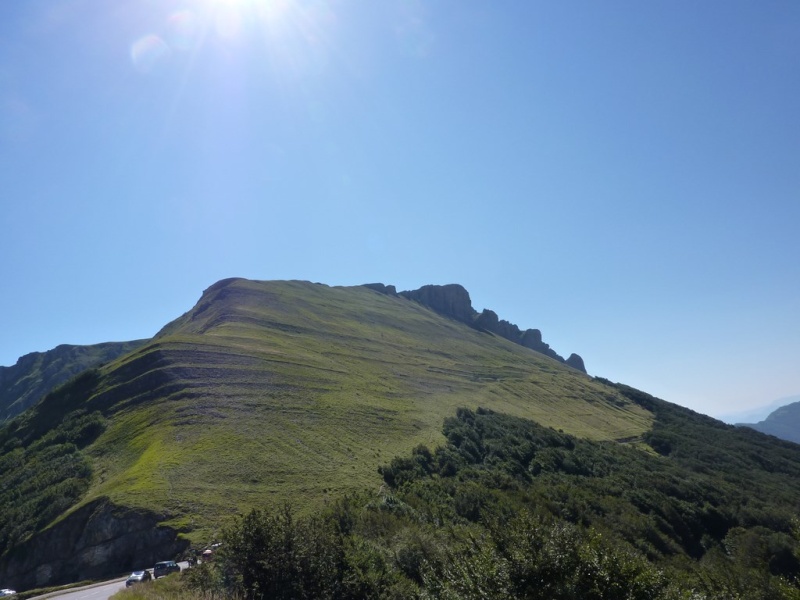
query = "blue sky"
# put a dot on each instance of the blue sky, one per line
(624, 176)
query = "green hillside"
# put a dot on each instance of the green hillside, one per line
(299, 390)
(340, 403)
(271, 391)
(507, 508)
(34, 375)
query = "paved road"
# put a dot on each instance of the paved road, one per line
(102, 591)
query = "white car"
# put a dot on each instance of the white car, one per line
(7, 592)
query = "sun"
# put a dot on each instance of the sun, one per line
(294, 35)
(266, 11)
(230, 19)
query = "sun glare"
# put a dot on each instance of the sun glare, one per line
(293, 33)
(266, 10)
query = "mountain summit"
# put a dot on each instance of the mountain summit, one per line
(266, 392)
(289, 393)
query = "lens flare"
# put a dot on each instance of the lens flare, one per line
(183, 30)
(148, 52)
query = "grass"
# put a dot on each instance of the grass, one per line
(166, 587)
(270, 392)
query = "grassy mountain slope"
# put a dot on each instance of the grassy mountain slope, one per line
(37, 373)
(294, 390)
(266, 392)
(507, 508)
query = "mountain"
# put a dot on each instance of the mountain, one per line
(35, 374)
(263, 391)
(290, 392)
(783, 422)
(754, 415)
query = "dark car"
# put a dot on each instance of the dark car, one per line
(138, 577)
(165, 567)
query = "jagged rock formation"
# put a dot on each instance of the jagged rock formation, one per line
(389, 290)
(489, 321)
(37, 373)
(453, 301)
(92, 542)
(576, 362)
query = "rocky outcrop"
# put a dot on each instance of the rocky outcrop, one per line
(532, 338)
(96, 541)
(576, 362)
(453, 301)
(37, 373)
(388, 290)
(489, 321)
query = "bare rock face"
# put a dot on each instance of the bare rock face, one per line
(576, 362)
(532, 338)
(388, 290)
(451, 300)
(97, 541)
(489, 321)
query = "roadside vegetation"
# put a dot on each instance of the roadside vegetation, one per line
(507, 508)
(167, 588)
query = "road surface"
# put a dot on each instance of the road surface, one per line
(101, 591)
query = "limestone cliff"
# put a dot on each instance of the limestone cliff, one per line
(92, 542)
(453, 300)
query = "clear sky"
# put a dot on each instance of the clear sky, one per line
(624, 176)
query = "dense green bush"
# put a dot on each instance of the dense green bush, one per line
(276, 555)
(42, 469)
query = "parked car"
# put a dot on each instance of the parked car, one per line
(138, 577)
(165, 567)
(7, 592)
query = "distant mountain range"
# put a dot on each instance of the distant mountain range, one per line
(759, 413)
(783, 422)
